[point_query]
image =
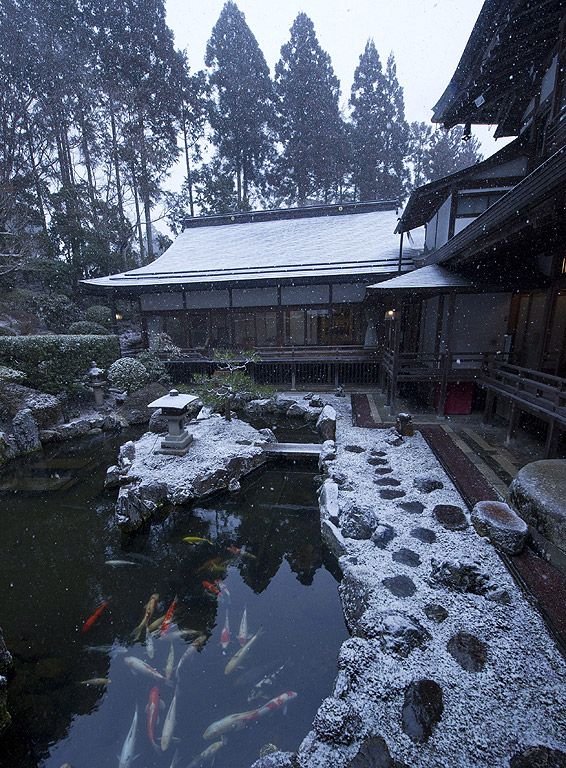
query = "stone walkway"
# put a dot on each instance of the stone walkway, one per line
(448, 664)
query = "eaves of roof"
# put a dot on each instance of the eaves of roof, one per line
(539, 186)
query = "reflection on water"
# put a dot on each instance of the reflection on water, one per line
(58, 534)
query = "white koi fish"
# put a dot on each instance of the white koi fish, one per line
(127, 754)
(209, 754)
(225, 638)
(239, 656)
(170, 662)
(149, 645)
(115, 563)
(229, 723)
(195, 646)
(169, 724)
(137, 665)
(243, 631)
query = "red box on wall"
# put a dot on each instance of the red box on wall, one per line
(458, 398)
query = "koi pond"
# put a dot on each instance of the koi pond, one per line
(99, 671)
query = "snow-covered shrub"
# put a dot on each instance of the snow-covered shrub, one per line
(11, 375)
(54, 364)
(100, 314)
(155, 367)
(88, 328)
(127, 374)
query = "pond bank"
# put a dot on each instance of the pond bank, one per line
(448, 664)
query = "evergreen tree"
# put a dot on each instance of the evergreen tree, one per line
(312, 130)
(379, 129)
(435, 152)
(242, 114)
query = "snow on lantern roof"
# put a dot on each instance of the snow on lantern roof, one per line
(331, 242)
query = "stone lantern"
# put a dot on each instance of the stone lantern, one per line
(96, 382)
(174, 407)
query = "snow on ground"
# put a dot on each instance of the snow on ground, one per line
(507, 692)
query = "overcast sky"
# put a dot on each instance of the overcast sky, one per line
(427, 38)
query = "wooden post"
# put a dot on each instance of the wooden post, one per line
(396, 352)
(553, 436)
(513, 422)
(488, 408)
(446, 357)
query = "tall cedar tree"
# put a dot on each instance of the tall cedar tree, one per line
(242, 114)
(435, 152)
(379, 129)
(312, 130)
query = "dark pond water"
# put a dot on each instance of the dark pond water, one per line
(57, 534)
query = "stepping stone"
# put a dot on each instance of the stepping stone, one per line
(354, 448)
(450, 517)
(383, 471)
(391, 494)
(436, 612)
(496, 520)
(378, 453)
(422, 709)
(400, 586)
(387, 481)
(376, 462)
(469, 652)
(412, 506)
(424, 534)
(407, 557)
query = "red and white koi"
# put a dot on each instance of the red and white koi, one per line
(152, 709)
(94, 618)
(241, 553)
(168, 617)
(279, 702)
(225, 638)
(211, 588)
(243, 631)
(137, 665)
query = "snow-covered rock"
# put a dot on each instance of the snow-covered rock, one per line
(26, 432)
(496, 520)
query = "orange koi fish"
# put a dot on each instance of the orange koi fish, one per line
(211, 588)
(168, 617)
(89, 622)
(211, 565)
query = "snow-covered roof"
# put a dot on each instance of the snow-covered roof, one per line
(344, 243)
(433, 276)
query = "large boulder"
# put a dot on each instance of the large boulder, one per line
(135, 410)
(26, 432)
(497, 521)
(46, 409)
(538, 495)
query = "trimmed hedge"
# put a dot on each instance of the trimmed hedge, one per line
(54, 363)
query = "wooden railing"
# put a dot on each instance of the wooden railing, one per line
(430, 367)
(540, 393)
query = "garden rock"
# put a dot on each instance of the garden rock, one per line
(358, 523)
(383, 535)
(26, 432)
(461, 576)
(46, 409)
(135, 410)
(422, 709)
(327, 453)
(354, 595)
(436, 612)
(539, 757)
(373, 753)
(8, 447)
(336, 722)
(427, 484)
(275, 760)
(397, 632)
(326, 424)
(297, 411)
(73, 429)
(496, 520)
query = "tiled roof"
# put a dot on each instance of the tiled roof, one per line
(334, 246)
